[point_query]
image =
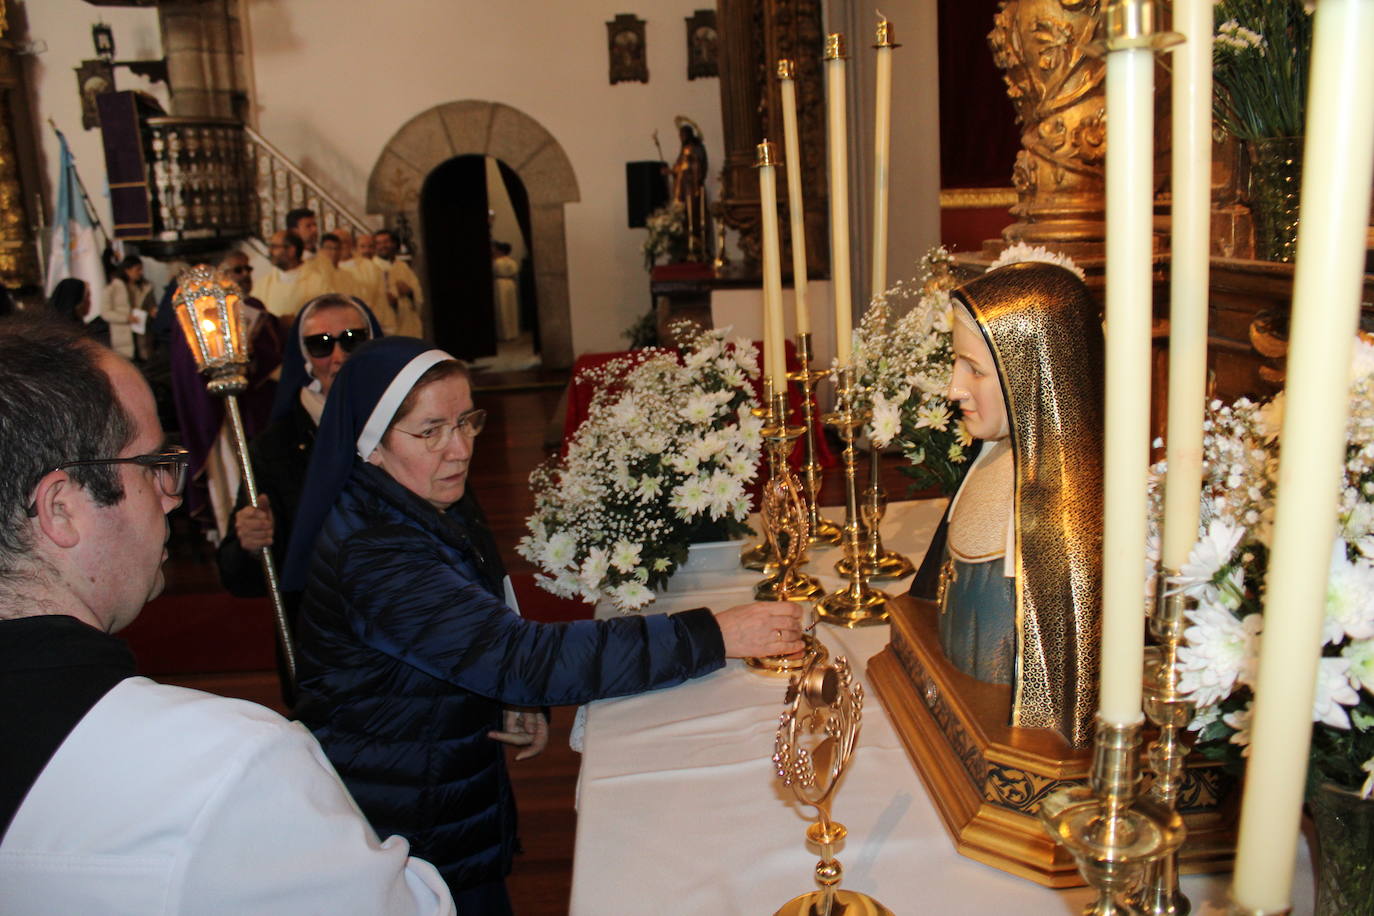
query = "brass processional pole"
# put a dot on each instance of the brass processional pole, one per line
(208, 306)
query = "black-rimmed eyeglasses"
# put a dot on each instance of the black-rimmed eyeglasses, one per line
(321, 346)
(168, 466)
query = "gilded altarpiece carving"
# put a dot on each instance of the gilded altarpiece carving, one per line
(753, 35)
(18, 264)
(1059, 93)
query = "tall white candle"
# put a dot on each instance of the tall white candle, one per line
(791, 155)
(1338, 158)
(837, 136)
(774, 349)
(1130, 164)
(882, 140)
(1191, 223)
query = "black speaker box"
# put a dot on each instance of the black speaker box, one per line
(646, 189)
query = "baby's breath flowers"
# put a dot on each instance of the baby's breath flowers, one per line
(669, 442)
(1225, 574)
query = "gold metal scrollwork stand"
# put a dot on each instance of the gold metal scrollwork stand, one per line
(817, 734)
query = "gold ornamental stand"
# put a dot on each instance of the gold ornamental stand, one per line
(760, 557)
(786, 531)
(823, 708)
(857, 604)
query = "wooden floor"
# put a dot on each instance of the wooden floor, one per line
(521, 408)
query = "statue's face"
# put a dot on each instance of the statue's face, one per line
(975, 387)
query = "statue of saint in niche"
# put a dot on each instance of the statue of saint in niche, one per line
(688, 179)
(1016, 565)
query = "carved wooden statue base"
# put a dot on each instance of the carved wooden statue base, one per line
(988, 779)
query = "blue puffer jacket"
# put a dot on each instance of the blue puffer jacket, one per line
(407, 656)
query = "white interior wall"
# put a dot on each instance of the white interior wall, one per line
(332, 89)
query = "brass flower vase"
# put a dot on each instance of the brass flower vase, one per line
(1345, 851)
(1275, 181)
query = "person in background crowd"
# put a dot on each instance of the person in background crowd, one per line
(303, 223)
(70, 303)
(128, 299)
(505, 272)
(118, 794)
(413, 670)
(402, 286)
(288, 286)
(368, 282)
(325, 334)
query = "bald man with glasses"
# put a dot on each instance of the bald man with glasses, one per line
(117, 794)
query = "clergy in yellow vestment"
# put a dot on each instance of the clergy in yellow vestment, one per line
(403, 290)
(368, 278)
(289, 284)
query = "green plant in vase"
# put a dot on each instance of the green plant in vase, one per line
(1260, 59)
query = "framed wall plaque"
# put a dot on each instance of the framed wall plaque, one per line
(701, 45)
(629, 59)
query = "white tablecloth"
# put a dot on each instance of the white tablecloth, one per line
(679, 811)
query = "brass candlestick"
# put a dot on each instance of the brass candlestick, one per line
(1111, 831)
(857, 604)
(785, 523)
(823, 530)
(879, 563)
(823, 705)
(1160, 894)
(760, 557)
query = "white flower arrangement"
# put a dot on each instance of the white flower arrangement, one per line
(667, 237)
(1020, 251)
(669, 444)
(903, 355)
(1226, 570)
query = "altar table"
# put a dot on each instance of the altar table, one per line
(680, 813)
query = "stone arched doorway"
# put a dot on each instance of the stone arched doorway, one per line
(490, 129)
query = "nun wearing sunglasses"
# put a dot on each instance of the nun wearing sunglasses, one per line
(326, 332)
(413, 670)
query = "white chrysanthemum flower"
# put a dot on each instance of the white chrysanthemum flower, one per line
(559, 550)
(625, 556)
(1360, 654)
(886, 422)
(699, 409)
(594, 567)
(1212, 551)
(1220, 651)
(631, 595)
(1239, 721)
(935, 417)
(724, 489)
(1368, 787)
(1334, 693)
(1205, 716)
(1349, 598)
(690, 497)
(956, 452)
(962, 437)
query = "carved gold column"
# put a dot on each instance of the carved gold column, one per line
(18, 260)
(1057, 89)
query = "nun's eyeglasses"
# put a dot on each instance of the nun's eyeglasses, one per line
(321, 346)
(168, 467)
(437, 437)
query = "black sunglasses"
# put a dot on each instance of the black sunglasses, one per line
(168, 466)
(322, 345)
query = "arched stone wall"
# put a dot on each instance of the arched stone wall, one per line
(490, 129)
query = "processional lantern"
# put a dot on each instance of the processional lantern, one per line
(208, 305)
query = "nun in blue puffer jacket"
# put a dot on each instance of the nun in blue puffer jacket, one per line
(412, 670)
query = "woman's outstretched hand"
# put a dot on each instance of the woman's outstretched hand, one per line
(761, 628)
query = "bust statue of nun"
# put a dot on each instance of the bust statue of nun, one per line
(1016, 566)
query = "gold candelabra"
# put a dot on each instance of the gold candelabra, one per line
(817, 733)
(856, 604)
(1170, 711)
(879, 563)
(823, 530)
